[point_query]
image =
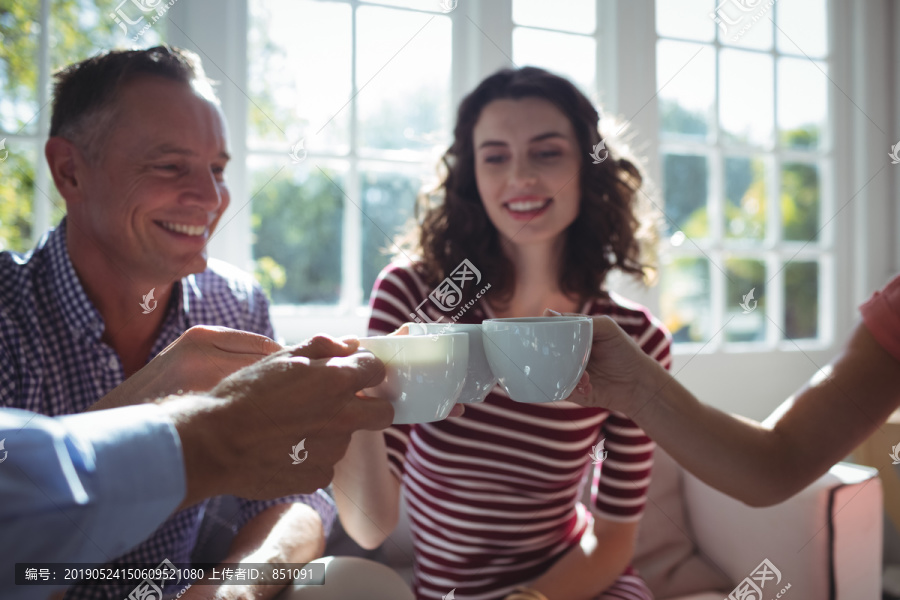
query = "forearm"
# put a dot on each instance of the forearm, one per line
(738, 456)
(287, 533)
(588, 569)
(366, 492)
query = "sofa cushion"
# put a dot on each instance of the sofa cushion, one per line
(666, 554)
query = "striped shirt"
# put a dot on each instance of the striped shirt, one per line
(494, 496)
(53, 361)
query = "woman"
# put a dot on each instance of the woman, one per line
(493, 496)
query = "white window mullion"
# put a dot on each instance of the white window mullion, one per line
(718, 304)
(41, 203)
(494, 36)
(351, 240)
(775, 301)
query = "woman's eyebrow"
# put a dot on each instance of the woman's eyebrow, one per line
(549, 134)
(537, 138)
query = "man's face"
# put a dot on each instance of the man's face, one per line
(157, 190)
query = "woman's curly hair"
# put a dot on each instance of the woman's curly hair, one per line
(613, 229)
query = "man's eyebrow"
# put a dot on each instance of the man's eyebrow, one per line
(165, 149)
(537, 138)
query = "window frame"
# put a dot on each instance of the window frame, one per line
(773, 251)
(865, 87)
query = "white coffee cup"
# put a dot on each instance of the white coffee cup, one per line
(480, 380)
(538, 359)
(423, 376)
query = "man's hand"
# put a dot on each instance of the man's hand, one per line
(619, 374)
(196, 362)
(241, 441)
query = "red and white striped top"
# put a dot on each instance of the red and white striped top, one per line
(494, 496)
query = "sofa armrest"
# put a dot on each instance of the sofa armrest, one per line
(826, 540)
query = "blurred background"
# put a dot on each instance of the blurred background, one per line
(765, 126)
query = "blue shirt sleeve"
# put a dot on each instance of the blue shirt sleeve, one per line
(85, 487)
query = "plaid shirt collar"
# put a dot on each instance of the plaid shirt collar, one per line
(82, 317)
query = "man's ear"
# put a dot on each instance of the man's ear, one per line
(67, 165)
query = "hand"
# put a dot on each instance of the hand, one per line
(239, 441)
(617, 369)
(197, 361)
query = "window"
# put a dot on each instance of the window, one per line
(365, 115)
(745, 151)
(38, 38)
(551, 38)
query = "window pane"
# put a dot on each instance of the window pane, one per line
(746, 291)
(17, 195)
(685, 19)
(405, 103)
(745, 23)
(388, 203)
(19, 32)
(577, 16)
(686, 74)
(297, 231)
(685, 299)
(434, 5)
(800, 202)
(685, 179)
(803, 26)
(745, 198)
(746, 97)
(82, 29)
(802, 102)
(556, 52)
(801, 300)
(299, 60)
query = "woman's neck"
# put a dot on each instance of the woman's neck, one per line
(537, 268)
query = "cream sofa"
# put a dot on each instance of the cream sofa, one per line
(698, 544)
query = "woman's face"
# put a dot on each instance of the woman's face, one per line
(527, 165)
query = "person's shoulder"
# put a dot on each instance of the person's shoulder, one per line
(404, 274)
(15, 270)
(18, 274)
(636, 319)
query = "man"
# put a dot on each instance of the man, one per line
(87, 477)
(138, 149)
